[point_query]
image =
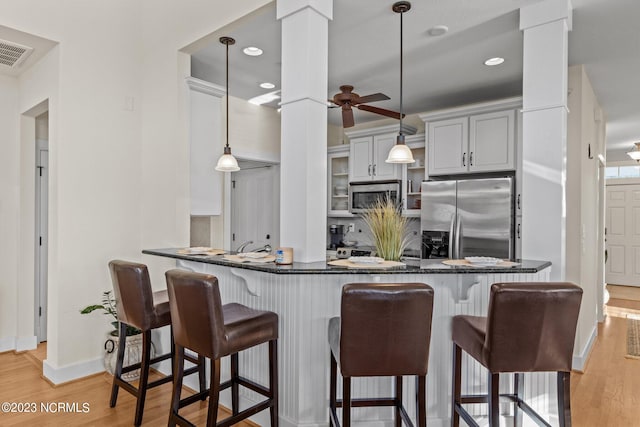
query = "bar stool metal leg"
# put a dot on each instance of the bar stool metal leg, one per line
(494, 399)
(346, 401)
(178, 374)
(333, 385)
(273, 381)
(119, 362)
(235, 387)
(214, 394)
(144, 376)
(398, 400)
(455, 395)
(564, 398)
(421, 408)
(518, 386)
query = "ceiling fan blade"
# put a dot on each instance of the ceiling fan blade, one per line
(347, 118)
(380, 111)
(372, 98)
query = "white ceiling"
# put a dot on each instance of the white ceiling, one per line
(447, 70)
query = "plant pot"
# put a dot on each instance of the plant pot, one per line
(132, 354)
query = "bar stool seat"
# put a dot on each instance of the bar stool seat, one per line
(202, 324)
(530, 327)
(384, 330)
(139, 307)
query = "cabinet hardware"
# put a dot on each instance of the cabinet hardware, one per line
(464, 159)
(518, 232)
(374, 170)
(518, 202)
(369, 171)
(471, 158)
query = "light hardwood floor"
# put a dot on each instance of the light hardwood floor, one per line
(21, 382)
(606, 395)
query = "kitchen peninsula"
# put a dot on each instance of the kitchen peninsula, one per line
(307, 295)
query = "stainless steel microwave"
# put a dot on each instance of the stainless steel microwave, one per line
(363, 195)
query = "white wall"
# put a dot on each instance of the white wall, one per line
(9, 209)
(583, 203)
(119, 178)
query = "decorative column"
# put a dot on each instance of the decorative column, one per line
(544, 132)
(303, 161)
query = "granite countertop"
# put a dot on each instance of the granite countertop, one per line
(412, 267)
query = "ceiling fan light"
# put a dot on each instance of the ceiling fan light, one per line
(226, 162)
(400, 153)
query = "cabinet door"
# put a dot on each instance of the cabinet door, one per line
(382, 170)
(361, 159)
(447, 146)
(338, 184)
(492, 142)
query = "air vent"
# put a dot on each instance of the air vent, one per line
(13, 54)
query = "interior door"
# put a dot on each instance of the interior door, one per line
(42, 205)
(255, 206)
(623, 234)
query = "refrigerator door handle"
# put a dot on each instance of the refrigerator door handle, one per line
(458, 236)
(451, 231)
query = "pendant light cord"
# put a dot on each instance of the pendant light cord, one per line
(401, 13)
(227, 145)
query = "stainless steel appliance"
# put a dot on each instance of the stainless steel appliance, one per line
(468, 217)
(363, 195)
(343, 253)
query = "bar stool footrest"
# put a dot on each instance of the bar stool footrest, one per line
(374, 402)
(483, 398)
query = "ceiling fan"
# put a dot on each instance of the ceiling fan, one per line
(347, 99)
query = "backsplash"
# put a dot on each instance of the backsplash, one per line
(362, 235)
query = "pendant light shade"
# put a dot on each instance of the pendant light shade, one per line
(635, 153)
(226, 162)
(400, 153)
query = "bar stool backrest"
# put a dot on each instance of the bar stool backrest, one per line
(532, 326)
(385, 329)
(196, 312)
(133, 293)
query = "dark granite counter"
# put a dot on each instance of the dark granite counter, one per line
(412, 267)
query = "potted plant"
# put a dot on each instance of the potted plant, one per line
(389, 229)
(133, 345)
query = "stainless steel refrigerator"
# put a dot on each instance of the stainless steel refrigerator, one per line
(468, 217)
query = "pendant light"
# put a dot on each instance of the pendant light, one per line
(635, 153)
(400, 153)
(226, 162)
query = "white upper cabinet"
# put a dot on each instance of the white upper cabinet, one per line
(472, 139)
(492, 142)
(369, 150)
(447, 146)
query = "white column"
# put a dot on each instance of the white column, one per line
(544, 89)
(303, 163)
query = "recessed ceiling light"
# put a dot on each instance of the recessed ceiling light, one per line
(267, 85)
(252, 51)
(494, 61)
(438, 30)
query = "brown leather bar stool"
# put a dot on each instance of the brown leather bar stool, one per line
(384, 329)
(202, 324)
(138, 306)
(530, 327)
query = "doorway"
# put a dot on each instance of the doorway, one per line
(623, 234)
(255, 206)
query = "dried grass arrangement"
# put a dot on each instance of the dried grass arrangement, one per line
(389, 229)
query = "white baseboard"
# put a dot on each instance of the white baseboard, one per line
(26, 343)
(7, 344)
(580, 360)
(59, 375)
